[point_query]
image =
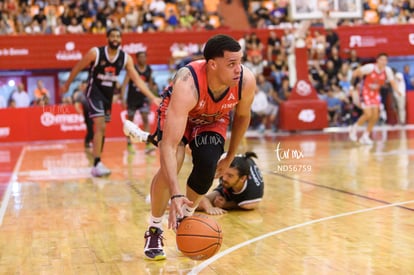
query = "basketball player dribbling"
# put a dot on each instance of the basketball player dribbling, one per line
(374, 76)
(196, 110)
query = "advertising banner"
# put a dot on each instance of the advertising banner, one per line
(56, 122)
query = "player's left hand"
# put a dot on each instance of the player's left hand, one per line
(216, 211)
(219, 201)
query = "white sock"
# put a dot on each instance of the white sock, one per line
(365, 134)
(187, 211)
(156, 222)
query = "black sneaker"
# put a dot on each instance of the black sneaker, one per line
(153, 249)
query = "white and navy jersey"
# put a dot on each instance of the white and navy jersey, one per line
(252, 190)
(103, 73)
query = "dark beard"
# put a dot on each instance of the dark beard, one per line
(113, 46)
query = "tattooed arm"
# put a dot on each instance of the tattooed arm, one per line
(183, 99)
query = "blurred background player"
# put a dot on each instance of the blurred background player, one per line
(136, 100)
(374, 77)
(105, 63)
(241, 187)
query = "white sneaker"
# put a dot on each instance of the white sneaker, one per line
(100, 170)
(353, 134)
(132, 131)
(365, 140)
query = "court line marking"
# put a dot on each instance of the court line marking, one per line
(336, 190)
(13, 179)
(216, 257)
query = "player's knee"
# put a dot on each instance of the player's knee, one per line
(202, 176)
(206, 152)
(100, 127)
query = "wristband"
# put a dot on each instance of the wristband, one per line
(177, 196)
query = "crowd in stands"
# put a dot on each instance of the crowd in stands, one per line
(328, 71)
(93, 16)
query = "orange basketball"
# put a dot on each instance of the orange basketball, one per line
(199, 237)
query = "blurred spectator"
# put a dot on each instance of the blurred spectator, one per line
(118, 14)
(273, 46)
(41, 20)
(278, 69)
(243, 43)
(33, 28)
(269, 115)
(315, 74)
(255, 62)
(132, 17)
(157, 8)
(411, 18)
(389, 19)
(345, 77)
(319, 46)
(98, 27)
(51, 19)
(23, 20)
(187, 20)
(41, 94)
(20, 98)
(172, 19)
(332, 41)
(288, 39)
(148, 24)
(336, 59)
(408, 78)
(353, 59)
(5, 27)
(179, 52)
(253, 44)
(197, 5)
(75, 27)
(284, 91)
(260, 108)
(400, 99)
(66, 15)
(104, 14)
(89, 7)
(60, 28)
(334, 106)
(260, 16)
(331, 73)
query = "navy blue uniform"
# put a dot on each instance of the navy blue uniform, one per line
(135, 98)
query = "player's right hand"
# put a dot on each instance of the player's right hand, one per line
(176, 206)
(156, 101)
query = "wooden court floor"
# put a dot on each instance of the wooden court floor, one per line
(330, 207)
